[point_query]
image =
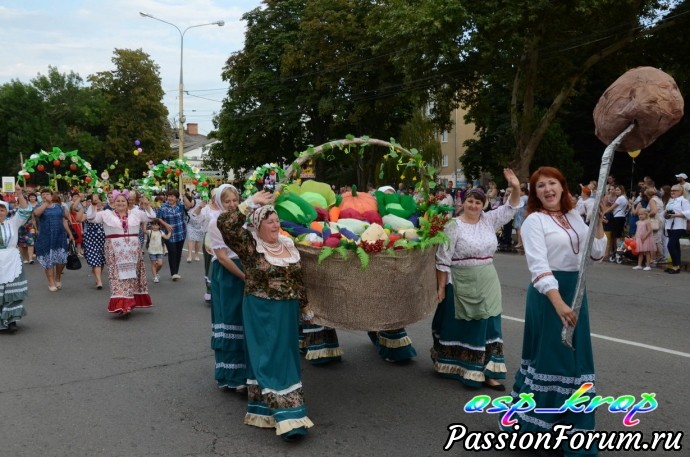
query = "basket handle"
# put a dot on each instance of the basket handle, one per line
(317, 151)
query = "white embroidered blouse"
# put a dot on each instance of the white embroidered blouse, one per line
(473, 244)
(550, 247)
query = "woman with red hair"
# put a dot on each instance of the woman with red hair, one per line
(554, 236)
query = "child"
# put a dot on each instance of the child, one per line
(155, 246)
(644, 240)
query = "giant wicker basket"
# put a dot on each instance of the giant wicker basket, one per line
(395, 290)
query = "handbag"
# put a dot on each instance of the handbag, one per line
(655, 224)
(73, 262)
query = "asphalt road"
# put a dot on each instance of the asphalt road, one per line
(76, 381)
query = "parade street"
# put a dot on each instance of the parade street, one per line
(77, 381)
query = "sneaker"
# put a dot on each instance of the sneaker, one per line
(647, 268)
(638, 267)
(175, 277)
(156, 279)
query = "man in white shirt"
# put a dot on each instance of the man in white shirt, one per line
(683, 181)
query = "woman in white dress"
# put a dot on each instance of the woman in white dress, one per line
(13, 285)
(468, 341)
(123, 254)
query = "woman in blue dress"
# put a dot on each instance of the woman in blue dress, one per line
(53, 232)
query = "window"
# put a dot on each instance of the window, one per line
(444, 161)
(444, 136)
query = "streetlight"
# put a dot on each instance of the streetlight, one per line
(181, 117)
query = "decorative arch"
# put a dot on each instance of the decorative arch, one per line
(169, 170)
(69, 166)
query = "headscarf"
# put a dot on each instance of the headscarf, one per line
(477, 192)
(217, 197)
(259, 214)
(124, 193)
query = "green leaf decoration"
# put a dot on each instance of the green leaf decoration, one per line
(325, 253)
(363, 257)
(342, 250)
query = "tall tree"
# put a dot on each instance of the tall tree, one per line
(135, 111)
(539, 52)
(308, 74)
(24, 126)
(76, 113)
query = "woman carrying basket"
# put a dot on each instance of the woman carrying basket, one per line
(274, 294)
(466, 328)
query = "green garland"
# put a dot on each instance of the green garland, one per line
(168, 171)
(255, 180)
(65, 165)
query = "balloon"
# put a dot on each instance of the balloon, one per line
(135, 152)
(137, 142)
(140, 149)
(635, 153)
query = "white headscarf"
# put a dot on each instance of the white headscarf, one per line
(217, 198)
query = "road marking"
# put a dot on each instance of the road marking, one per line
(618, 340)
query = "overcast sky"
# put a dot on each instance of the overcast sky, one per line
(81, 36)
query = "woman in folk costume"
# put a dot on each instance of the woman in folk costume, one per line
(274, 294)
(13, 285)
(227, 294)
(126, 270)
(555, 237)
(466, 329)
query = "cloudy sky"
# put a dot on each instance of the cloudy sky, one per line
(81, 36)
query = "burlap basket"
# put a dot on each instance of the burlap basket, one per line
(394, 291)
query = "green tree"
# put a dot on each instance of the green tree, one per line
(76, 113)
(134, 111)
(308, 74)
(538, 52)
(24, 126)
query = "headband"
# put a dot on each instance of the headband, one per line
(475, 190)
(259, 214)
(124, 193)
(217, 197)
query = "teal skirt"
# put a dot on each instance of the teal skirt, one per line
(227, 331)
(393, 345)
(319, 344)
(551, 371)
(274, 382)
(12, 295)
(468, 351)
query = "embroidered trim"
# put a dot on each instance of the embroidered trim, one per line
(541, 276)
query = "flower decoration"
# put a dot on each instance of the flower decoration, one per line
(75, 170)
(268, 171)
(168, 172)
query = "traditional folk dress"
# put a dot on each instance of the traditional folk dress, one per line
(274, 292)
(466, 329)
(549, 370)
(393, 345)
(123, 255)
(13, 284)
(227, 328)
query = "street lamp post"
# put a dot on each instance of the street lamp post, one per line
(180, 117)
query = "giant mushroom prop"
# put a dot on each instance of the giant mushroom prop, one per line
(634, 111)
